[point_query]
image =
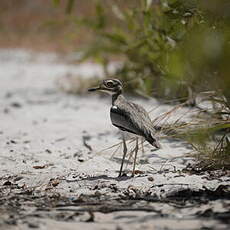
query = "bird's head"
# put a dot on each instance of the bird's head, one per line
(111, 86)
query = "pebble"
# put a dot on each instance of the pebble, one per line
(150, 178)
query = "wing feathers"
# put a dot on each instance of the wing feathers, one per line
(134, 119)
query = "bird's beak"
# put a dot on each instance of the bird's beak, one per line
(94, 89)
(157, 145)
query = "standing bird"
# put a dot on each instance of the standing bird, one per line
(128, 116)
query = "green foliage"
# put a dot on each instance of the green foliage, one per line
(167, 46)
(144, 36)
(56, 2)
(170, 49)
(212, 155)
(209, 135)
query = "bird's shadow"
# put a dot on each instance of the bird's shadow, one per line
(106, 177)
(124, 177)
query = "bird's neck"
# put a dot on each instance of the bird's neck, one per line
(115, 96)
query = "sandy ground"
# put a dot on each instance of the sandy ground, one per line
(56, 170)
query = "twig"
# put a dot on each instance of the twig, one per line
(85, 144)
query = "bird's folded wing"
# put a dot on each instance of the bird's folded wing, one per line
(124, 119)
(134, 119)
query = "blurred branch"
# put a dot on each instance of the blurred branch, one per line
(70, 6)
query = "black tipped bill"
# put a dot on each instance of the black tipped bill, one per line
(156, 144)
(93, 89)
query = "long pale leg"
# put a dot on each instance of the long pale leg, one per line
(135, 157)
(124, 154)
(142, 145)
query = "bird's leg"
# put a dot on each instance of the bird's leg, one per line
(142, 145)
(124, 154)
(135, 157)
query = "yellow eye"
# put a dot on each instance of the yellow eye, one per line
(109, 84)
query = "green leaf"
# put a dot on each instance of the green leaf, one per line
(56, 2)
(117, 38)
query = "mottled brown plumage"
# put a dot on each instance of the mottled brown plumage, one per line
(133, 118)
(128, 116)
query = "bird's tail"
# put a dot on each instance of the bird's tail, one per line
(153, 141)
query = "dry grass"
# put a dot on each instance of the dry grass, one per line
(208, 136)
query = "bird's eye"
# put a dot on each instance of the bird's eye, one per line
(109, 84)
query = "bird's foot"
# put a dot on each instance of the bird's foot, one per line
(122, 174)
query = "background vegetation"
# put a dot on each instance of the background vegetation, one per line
(181, 44)
(39, 25)
(171, 49)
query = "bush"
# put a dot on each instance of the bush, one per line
(171, 49)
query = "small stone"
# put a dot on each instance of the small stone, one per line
(26, 141)
(119, 228)
(32, 225)
(81, 159)
(7, 183)
(18, 178)
(54, 182)
(16, 105)
(150, 178)
(48, 151)
(97, 193)
(13, 141)
(39, 166)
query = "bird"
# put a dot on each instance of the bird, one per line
(129, 117)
